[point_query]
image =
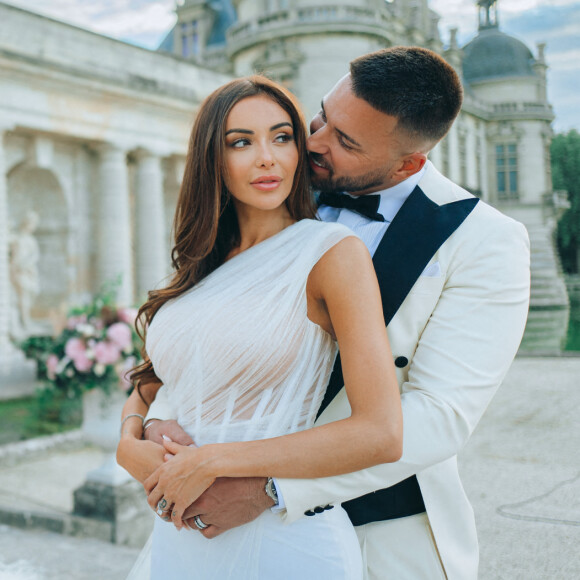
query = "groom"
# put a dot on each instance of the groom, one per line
(454, 277)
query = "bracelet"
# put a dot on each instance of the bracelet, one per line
(129, 416)
(149, 422)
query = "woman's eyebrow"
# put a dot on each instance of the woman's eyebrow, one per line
(250, 132)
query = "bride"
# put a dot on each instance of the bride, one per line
(245, 336)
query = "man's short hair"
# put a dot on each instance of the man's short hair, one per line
(413, 84)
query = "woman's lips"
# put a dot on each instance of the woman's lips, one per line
(266, 185)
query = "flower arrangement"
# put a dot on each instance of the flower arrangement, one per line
(96, 349)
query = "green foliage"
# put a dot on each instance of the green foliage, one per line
(565, 153)
(46, 414)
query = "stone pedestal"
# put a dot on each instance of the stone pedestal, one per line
(109, 494)
(102, 417)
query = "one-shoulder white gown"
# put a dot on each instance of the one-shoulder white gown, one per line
(242, 361)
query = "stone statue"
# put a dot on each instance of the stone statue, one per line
(24, 257)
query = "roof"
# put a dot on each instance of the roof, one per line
(494, 54)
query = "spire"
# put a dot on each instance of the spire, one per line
(488, 17)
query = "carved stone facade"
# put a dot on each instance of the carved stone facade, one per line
(93, 136)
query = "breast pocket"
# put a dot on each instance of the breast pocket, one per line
(428, 285)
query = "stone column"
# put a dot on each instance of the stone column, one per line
(114, 224)
(17, 375)
(453, 153)
(150, 234)
(5, 314)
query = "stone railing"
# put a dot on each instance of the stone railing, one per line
(327, 18)
(519, 110)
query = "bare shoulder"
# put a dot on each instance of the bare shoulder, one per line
(346, 263)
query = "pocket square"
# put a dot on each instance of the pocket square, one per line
(432, 270)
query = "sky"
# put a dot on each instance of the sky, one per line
(555, 22)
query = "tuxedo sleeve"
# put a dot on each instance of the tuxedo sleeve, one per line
(464, 352)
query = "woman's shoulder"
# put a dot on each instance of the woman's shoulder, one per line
(322, 239)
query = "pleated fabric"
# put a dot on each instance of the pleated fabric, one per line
(242, 361)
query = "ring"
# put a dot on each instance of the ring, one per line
(199, 523)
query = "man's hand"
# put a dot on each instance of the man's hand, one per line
(171, 429)
(230, 502)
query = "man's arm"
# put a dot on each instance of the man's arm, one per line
(463, 355)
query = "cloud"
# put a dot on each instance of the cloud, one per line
(146, 20)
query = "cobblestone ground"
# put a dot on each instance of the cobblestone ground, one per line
(40, 555)
(520, 471)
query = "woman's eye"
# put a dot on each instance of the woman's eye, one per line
(284, 138)
(239, 143)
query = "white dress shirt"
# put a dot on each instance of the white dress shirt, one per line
(371, 232)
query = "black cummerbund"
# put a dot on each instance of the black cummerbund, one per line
(399, 501)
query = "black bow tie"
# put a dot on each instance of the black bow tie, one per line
(366, 205)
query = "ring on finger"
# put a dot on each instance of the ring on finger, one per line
(199, 523)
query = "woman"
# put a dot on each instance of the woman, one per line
(245, 338)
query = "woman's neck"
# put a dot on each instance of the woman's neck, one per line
(257, 226)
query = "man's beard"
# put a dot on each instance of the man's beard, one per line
(373, 180)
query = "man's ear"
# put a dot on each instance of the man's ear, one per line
(410, 165)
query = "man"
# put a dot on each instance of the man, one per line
(454, 325)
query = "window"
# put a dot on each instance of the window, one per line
(189, 39)
(506, 162)
(463, 159)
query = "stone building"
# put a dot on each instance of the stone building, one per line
(93, 131)
(499, 148)
(93, 134)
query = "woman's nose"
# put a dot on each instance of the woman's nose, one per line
(265, 157)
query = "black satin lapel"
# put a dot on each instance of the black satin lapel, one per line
(402, 245)
(415, 234)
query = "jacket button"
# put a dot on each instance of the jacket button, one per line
(309, 513)
(328, 507)
(401, 362)
(318, 510)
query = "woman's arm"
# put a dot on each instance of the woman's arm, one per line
(345, 295)
(139, 458)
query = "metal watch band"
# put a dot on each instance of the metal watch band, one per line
(271, 492)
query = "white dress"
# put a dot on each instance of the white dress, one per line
(242, 361)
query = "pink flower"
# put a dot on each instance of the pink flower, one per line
(120, 334)
(106, 353)
(73, 321)
(74, 347)
(127, 315)
(51, 366)
(82, 362)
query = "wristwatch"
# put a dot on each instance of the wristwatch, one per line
(271, 492)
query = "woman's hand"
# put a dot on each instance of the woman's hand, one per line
(182, 479)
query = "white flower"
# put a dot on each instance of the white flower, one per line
(62, 364)
(86, 329)
(90, 354)
(99, 369)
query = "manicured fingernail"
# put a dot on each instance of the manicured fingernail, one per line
(167, 438)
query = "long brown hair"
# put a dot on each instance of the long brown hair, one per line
(205, 224)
